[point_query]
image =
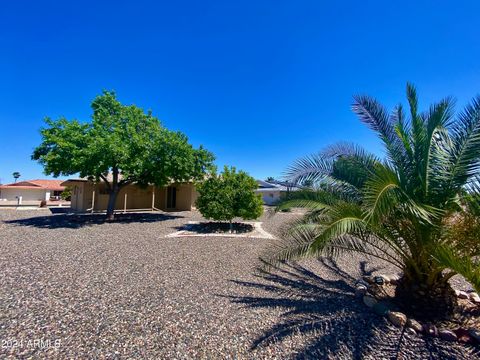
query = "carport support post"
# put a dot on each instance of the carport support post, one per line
(125, 204)
(153, 198)
(93, 199)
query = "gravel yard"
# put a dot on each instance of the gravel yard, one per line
(124, 290)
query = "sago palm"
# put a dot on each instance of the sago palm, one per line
(402, 209)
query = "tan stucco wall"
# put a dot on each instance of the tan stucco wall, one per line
(194, 196)
(160, 197)
(137, 197)
(76, 201)
(184, 196)
(26, 194)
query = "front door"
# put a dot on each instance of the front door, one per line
(171, 197)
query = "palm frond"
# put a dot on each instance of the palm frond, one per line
(294, 245)
(301, 203)
(465, 266)
(376, 117)
(412, 100)
(437, 119)
(369, 246)
(381, 193)
(465, 152)
(310, 168)
(472, 196)
(402, 129)
(308, 198)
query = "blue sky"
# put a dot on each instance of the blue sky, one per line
(259, 83)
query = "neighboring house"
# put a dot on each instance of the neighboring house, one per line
(31, 191)
(90, 196)
(273, 192)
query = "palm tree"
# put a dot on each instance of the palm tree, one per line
(16, 175)
(402, 209)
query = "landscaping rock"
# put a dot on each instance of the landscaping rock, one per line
(461, 294)
(397, 318)
(394, 279)
(386, 278)
(475, 298)
(380, 309)
(369, 279)
(475, 334)
(463, 336)
(411, 331)
(415, 325)
(430, 330)
(360, 290)
(362, 282)
(447, 335)
(369, 301)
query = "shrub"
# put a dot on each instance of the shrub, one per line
(66, 194)
(228, 195)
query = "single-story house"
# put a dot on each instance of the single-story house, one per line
(90, 196)
(31, 191)
(273, 192)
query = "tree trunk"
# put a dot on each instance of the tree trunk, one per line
(112, 198)
(114, 190)
(426, 298)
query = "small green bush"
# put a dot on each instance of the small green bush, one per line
(228, 195)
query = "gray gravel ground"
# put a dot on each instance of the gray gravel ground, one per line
(123, 290)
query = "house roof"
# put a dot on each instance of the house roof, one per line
(53, 185)
(70, 181)
(266, 186)
(109, 177)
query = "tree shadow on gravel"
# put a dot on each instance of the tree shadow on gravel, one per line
(75, 221)
(332, 322)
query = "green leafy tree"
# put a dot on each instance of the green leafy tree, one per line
(16, 175)
(404, 209)
(122, 141)
(230, 194)
(270, 179)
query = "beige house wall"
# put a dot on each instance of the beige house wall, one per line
(26, 194)
(136, 197)
(270, 197)
(184, 196)
(194, 196)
